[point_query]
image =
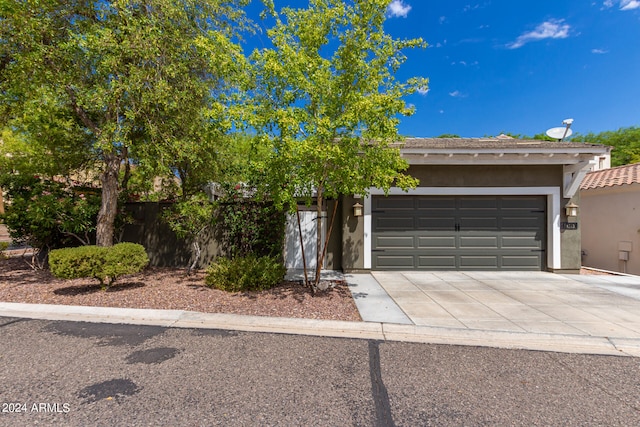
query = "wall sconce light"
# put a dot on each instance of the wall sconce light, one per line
(571, 209)
(357, 209)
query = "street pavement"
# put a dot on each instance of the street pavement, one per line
(62, 373)
(516, 310)
(68, 365)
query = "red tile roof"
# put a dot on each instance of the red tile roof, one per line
(622, 175)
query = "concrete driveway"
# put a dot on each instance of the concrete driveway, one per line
(538, 302)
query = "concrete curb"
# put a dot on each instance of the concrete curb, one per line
(328, 328)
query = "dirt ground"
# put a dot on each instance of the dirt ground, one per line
(172, 289)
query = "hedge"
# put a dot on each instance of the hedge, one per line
(103, 263)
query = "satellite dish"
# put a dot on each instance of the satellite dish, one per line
(559, 133)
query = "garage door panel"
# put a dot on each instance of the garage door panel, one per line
(459, 232)
(477, 223)
(395, 261)
(436, 242)
(425, 223)
(515, 242)
(488, 242)
(394, 242)
(395, 223)
(470, 202)
(437, 262)
(479, 262)
(522, 223)
(521, 261)
(393, 203)
(442, 204)
(523, 203)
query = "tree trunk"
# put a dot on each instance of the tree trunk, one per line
(322, 256)
(304, 258)
(109, 205)
(195, 245)
(319, 259)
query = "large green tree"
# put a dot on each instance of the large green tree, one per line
(625, 143)
(328, 104)
(153, 81)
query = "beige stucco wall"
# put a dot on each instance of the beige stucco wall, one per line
(487, 175)
(352, 236)
(610, 216)
(570, 240)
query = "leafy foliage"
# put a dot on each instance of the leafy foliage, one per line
(3, 247)
(541, 137)
(245, 273)
(45, 155)
(625, 143)
(47, 214)
(103, 263)
(249, 226)
(192, 219)
(154, 81)
(327, 104)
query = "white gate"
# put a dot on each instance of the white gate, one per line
(292, 250)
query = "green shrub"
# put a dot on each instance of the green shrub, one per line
(46, 214)
(248, 273)
(3, 248)
(103, 263)
(248, 225)
(73, 263)
(125, 258)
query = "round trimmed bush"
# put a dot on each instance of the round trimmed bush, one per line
(103, 263)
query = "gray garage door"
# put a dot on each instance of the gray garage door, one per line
(458, 233)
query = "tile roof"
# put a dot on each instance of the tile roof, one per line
(621, 175)
(491, 144)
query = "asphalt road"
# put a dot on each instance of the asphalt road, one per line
(83, 374)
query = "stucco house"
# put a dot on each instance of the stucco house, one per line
(482, 204)
(610, 219)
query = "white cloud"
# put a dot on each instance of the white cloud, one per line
(457, 94)
(599, 51)
(397, 8)
(551, 29)
(442, 19)
(624, 4)
(465, 63)
(423, 90)
(629, 4)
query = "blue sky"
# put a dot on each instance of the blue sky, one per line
(519, 66)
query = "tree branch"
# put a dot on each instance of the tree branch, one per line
(80, 111)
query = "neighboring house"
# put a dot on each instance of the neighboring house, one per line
(610, 219)
(482, 204)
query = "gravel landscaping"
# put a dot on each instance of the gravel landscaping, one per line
(172, 289)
